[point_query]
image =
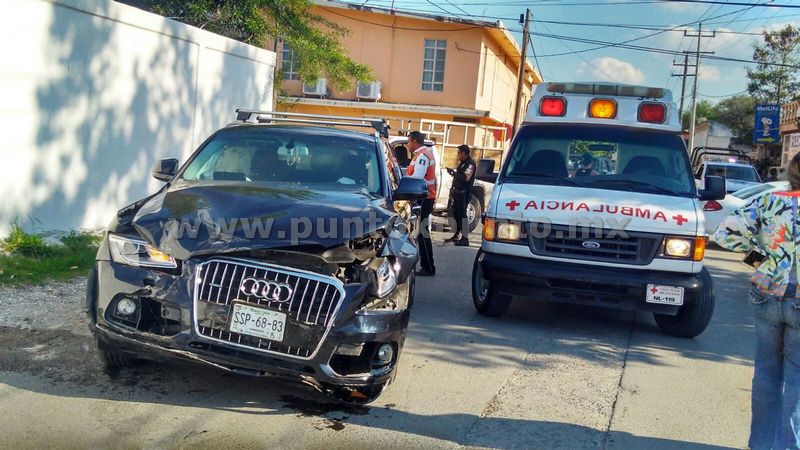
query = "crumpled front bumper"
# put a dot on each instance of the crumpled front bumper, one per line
(172, 294)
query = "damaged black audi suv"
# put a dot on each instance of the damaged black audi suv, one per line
(284, 246)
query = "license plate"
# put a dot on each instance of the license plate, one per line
(664, 295)
(258, 322)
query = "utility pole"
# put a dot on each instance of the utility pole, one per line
(521, 75)
(697, 53)
(684, 75)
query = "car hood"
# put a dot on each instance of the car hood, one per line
(732, 185)
(632, 211)
(197, 219)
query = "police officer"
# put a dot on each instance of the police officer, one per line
(423, 166)
(460, 194)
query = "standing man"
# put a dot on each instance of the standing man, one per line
(423, 166)
(460, 194)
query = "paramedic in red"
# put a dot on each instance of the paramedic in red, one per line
(423, 166)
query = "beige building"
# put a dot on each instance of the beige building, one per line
(430, 71)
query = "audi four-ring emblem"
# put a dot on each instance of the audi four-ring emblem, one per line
(266, 289)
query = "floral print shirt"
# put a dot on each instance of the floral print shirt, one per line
(765, 225)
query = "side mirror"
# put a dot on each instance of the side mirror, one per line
(714, 188)
(485, 171)
(411, 189)
(165, 169)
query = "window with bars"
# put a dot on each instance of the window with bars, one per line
(433, 65)
(290, 63)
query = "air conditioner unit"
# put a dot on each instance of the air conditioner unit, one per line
(369, 91)
(319, 88)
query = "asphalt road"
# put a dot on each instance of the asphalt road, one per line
(542, 377)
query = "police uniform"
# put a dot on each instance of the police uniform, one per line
(460, 194)
(423, 166)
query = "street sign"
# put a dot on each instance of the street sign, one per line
(767, 124)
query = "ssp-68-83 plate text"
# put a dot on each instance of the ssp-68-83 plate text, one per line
(258, 322)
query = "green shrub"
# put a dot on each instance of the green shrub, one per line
(27, 259)
(19, 242)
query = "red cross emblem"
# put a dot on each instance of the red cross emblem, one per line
(512, 205)
(680, 219)
(654, 290)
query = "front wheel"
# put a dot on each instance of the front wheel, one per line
(486, 299)
(693, 318)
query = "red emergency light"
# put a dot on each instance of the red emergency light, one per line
(652, 112)
(553, 106)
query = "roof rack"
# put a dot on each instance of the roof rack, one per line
(255, 116)
(701, 154)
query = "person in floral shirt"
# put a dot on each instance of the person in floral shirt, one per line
(769, 226)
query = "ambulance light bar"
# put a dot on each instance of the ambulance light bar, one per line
(652, 112)
(616, 90)
(553, 106)
(603, 108)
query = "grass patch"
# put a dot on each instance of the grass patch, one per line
(26, 258)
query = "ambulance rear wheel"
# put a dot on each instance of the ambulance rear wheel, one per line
(693, 318)
(484, 296)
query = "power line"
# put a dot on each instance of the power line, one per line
(602, 44)
(634, 27)
(721, 96)
(729, 3)
(535, 58)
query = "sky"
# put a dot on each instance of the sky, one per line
(718, 79)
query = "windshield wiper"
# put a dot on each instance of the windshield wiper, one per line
(545, 175)
(658, 189)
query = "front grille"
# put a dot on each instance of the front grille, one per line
(616, 246)
(309, 310)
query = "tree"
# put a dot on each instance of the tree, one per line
(737, 113)
(771, 83)
(313, 38)
(705, 111)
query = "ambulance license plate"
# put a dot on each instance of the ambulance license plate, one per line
(664, 295)
(258, 322)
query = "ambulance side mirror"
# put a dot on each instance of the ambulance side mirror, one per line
(485, 171)
(714, 188)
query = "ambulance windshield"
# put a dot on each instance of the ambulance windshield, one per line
(601, 157)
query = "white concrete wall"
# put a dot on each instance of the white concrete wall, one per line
(93, 92)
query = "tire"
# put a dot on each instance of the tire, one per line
(474, 212)
(693, 318)
(487, 302)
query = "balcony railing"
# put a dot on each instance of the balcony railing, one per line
(790, 117)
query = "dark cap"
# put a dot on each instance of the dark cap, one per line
(587, 158)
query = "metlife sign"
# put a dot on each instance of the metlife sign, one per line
(768, 118)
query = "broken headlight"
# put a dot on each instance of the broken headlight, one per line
(138, 253)
(385, 279)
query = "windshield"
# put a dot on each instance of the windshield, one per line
(600, 157)
(743, 173)
(300, 156)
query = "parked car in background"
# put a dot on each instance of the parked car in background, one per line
(481, 191)
(716, 210)
(737, 175)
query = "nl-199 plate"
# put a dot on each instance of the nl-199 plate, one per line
(664, 295)
(258, 322)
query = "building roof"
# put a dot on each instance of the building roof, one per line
(496, 29)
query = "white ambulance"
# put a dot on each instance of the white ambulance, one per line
(596, 205)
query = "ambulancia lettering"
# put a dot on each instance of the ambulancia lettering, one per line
(601, 208)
